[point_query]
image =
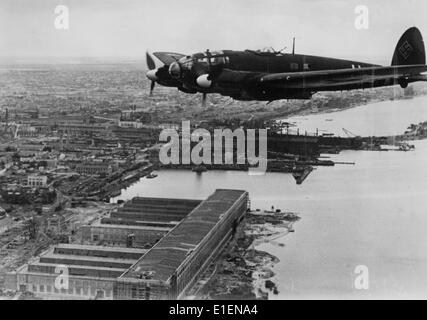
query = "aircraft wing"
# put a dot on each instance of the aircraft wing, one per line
(318, 80)
(168, 58)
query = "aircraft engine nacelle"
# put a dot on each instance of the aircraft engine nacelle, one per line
(203, 81)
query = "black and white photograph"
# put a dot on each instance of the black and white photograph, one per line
(213, 151)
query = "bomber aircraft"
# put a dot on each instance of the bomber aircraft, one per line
(272, 75)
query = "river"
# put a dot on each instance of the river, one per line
(380, 119)
(372, 214)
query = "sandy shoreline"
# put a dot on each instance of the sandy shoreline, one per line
(241, 271)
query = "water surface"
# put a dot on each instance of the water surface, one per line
(372, 214)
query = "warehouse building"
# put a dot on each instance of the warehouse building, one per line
(144, 135)
(95, 168)
(36, 181)
(92, 272)
(165, 271)
(141, 222)
(173, 265)
(123, 235)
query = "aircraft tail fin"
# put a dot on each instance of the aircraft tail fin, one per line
(410, 49)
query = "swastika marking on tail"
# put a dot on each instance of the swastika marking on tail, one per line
(406, 50)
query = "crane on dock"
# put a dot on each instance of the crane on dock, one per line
(350, 134)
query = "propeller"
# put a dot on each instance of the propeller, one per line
(204, 98)
(152, 71)
(150, 62)
(205, 79)
(153, 84)
(208, 55)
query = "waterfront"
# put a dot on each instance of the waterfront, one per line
(380, 118)
(369, 214)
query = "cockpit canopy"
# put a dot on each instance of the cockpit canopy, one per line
(267, 51)
(201, 61)
(213, 58)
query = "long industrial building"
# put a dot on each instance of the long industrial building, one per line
(196, 232)
(141, 222)
(91, 272)
(175, 262)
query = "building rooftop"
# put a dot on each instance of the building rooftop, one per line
(98, 248)
(85, 260)
(99, 223)
(75, 259)
(158, 210)
(171, 251)
(130, 222)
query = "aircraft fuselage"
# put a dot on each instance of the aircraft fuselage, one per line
(269, 75)
(249, 63)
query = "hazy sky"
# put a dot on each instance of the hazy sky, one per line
(126, 28)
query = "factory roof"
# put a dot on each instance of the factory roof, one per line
(25, 270)
(170, 252)
(97, 248)
(99, 223)
(76, 258)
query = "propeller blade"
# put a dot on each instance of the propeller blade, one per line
(150, 62)
(204, 100)
(208, 55)
(153, 84)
